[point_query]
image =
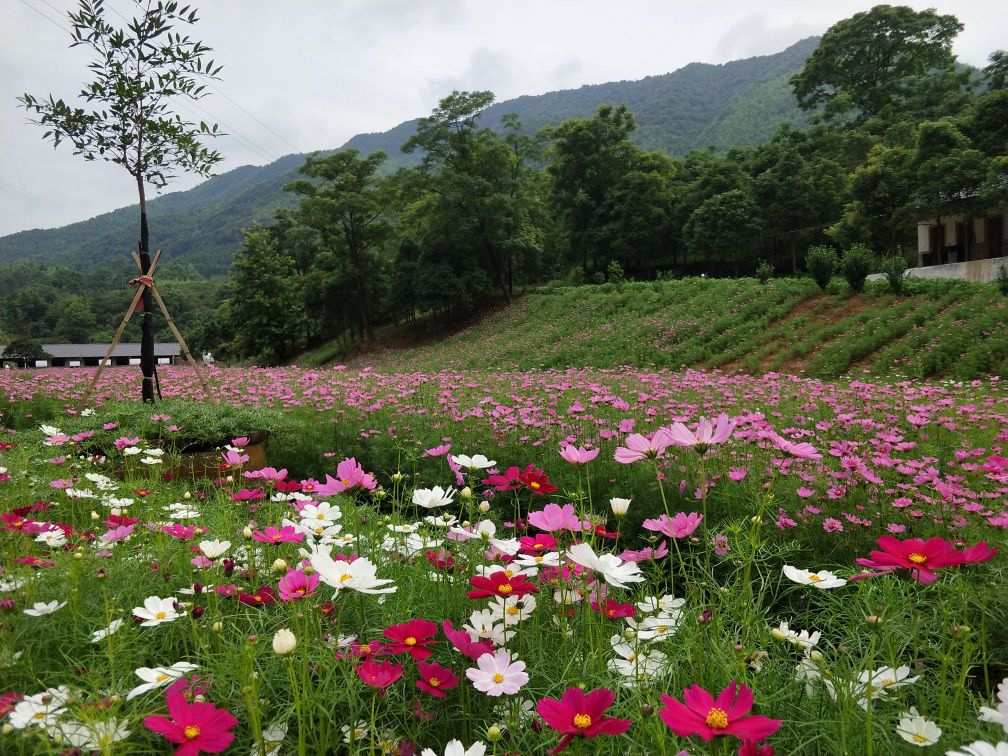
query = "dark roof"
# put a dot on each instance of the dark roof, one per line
(73, 351)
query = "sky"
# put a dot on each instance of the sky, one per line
(304, 75)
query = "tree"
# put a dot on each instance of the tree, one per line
(726, 228)
(25, 350)
(348, 210)
(862, 64)
(996, 72)
(138, 71)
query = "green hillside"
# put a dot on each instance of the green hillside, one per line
(949, 329)
(734, 104)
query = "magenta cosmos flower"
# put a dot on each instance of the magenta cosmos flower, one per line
(286, 534)
(578, 455)
(640, 447)
(349, 475)
(194, 727)
(727, 715)
(378, 674)
(922, 557)
(580, 713)
(681, 525)
(553, 518)
(297, 585)
(435, 679)
(704, 436)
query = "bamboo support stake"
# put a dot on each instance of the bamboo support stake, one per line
(118, 333)
(185, 347)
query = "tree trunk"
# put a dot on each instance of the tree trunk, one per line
(147, 324)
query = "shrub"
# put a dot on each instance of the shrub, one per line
(614, 273)
(894, 268)
(764, 271)
(1002, 279)
(821, 262)
(855, 265)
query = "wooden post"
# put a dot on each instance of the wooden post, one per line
(119, 331)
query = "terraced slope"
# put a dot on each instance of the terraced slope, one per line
(940, 329)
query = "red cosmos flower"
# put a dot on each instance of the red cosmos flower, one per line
(263, 597)
(12, 521)
(194, 727)
(752, 748)
(363, 650)
(286, 534)
(542, 542)
(141, 492)
(535, 480)
(412, 638)
(462, 641)
(506, 482)
(614, 609)
(115, 521)
(34, 561)
(578, 713)
(441, 559)
(499, 584)
(435, 679)
(728, 715)
(921, 557)
(7, 702)
(184, 532)
(378, 674)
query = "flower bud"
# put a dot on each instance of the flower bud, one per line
(777, 635)
(493, 733)
(95, 516)
(484, 506)
(397, 476)
(198, 611)
(217, 626)
(187, 495)
(247, 531)
(466, 493)
(279, 565)
(284, 641)
(816, 656)
(7, 729)
(619, 506)
(755, 519)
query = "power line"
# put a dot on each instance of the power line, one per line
(55, 23)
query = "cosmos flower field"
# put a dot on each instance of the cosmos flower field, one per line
(486, 562)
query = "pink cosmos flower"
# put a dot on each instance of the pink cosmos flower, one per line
(194, 727)
(297, 585)
(286, 534)
(125, 441)
(804, 493)
(349, 474)
(705, 435)
(681, 525)
(183, 532)
(241, 442)
(553, 518)
(801, 451)
(117, 534)
(640, 447)
(233, 458)
(580, 713)
(578, 455)
(727, 715)
(832, 525)
(437, 451)
(738, 473)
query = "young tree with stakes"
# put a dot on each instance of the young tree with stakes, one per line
(128, 119)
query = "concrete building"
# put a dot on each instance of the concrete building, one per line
(957, 247)
(89, 355)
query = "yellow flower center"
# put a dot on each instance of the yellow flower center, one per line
(498, 677)
(344, 577)
(411, 641)
(917, 558)
(814, 578)
(512, 610)
(918, 738)
(535, 485)
(345, 481)
(160, 615)
(433, 682)
(192, 731)
(582, 720)
(161, 678)
(504, 588)
(717, 719)
(365, 648)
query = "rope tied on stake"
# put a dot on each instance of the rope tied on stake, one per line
(145, 280)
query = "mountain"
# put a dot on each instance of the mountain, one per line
(733, 104)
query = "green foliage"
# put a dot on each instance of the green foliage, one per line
(856, 263)
(728, 227)
(1002, 279)
(821, 263)
(764, 272)
(26, 350)
(614, 273)
(894, 268)
(863, 63)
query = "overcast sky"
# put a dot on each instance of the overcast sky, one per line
(302, 75)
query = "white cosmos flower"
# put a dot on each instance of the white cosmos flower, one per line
(91, 736)
(131, 451)
(619, 506)
(513, 610)
(356, 733)
(665, 604)
(359, 575)
(455, 748)
(634, 666)
(444, 520)
(320, 513)
(918, 730)
(877, 683)
(822, 579)
(156, 677)
(80, 493)
(998, 715)
(473, 463)
(40, 609)
(156, 610)
(50, 430)
(115, 503)
(485, 625)
(614, 570)
(430, 498)
(214, 549)
(151, 460)
(981, 748)
(99, 635)
(802, 638)
(543, 559)
(273, 737)
(39, 710)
